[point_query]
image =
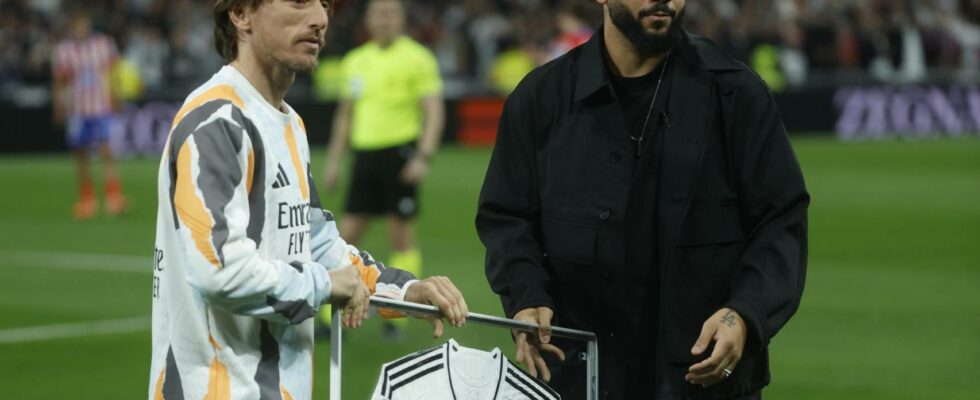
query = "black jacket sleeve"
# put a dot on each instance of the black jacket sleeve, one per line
(507, 219)
(768, 284)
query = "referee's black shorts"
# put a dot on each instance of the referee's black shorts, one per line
(376, 187)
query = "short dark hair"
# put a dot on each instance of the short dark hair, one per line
(225, 33)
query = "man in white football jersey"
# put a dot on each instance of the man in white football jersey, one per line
(244, 255)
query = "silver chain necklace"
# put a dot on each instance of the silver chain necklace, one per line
(638, 141)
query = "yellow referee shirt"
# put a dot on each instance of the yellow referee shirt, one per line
(386, 86)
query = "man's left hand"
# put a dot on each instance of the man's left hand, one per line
(728, 331)
(440, 292)
(414, 171)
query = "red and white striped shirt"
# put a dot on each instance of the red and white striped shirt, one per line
(86, 64)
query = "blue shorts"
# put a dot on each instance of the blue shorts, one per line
(87, 131)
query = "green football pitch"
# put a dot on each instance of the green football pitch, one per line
(891, 308)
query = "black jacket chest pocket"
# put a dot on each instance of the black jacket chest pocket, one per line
(711, 224)
(569, 241)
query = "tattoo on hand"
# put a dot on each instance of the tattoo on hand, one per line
(729, 319)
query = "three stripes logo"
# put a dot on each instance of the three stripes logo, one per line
(282, 180)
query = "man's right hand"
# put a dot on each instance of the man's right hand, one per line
(529, 346)
(349, 292)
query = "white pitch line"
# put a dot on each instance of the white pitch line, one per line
(76, 261)
(73, 330)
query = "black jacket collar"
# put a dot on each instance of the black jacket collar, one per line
(697, 52)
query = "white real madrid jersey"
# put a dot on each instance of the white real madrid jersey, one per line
(455, 372)
(242, 251)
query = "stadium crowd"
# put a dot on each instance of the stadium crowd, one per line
(490, 44)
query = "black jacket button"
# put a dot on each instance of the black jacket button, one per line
(615, 157)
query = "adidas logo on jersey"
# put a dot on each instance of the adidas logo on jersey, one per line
(282, 180)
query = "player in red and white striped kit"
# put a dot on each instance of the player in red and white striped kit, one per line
(84, 102)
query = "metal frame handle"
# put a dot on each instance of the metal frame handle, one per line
(592, 350)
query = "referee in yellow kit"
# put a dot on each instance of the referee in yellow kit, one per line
(393, 114)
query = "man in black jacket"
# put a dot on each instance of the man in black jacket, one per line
(643, 187)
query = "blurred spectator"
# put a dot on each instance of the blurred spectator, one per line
(148, 50)
(964, 25)
(573, 30)
(486, 27)
(512, 64)
(792, 42)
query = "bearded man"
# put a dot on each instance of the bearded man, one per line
(643, 187)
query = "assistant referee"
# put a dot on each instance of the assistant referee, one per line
(392, 113)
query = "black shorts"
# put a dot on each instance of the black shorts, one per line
(376, 187)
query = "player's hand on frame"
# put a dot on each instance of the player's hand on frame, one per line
(440, 292)
(350, 293)
(727, 329)
(530, 346)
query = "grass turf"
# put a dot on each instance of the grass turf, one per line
(890, 310)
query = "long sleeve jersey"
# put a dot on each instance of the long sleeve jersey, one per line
(242, 251)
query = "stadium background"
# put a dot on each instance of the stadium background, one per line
(882, 99)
